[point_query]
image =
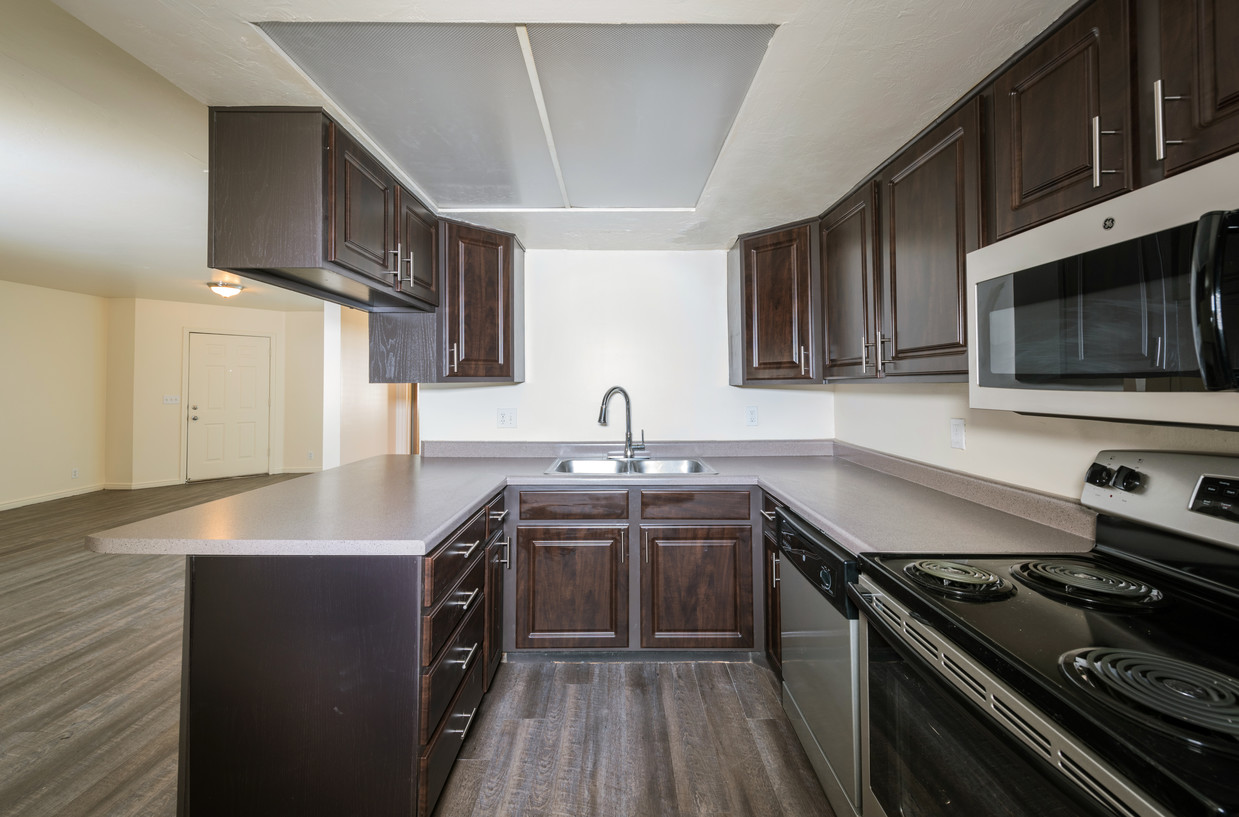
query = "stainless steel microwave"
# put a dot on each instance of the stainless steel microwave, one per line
(1128, 310)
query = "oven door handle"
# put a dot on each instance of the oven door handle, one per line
(1208, 256)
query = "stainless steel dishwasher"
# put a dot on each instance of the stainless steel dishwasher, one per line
(820, 656)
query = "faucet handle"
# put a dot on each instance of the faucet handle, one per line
(641, 445)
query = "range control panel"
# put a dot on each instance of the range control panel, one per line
(1193, 494)
(1217, 496)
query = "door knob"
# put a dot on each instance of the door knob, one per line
(194, 418)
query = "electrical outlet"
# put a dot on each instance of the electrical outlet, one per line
(957, 433)
(171, 399)
(505, 418)
(750, 415)
(309, 455)
(75, 473)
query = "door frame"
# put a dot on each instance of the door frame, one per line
(275, 423)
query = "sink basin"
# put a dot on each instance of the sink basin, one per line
(607, 467)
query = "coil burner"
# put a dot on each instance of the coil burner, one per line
(1087, 585)
(1174, 697)
(958, 581)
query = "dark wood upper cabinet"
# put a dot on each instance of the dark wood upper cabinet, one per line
(479, 304)
(416, 241)
(777, 307)
(295, 202)
(930, 207)
(697, 586)
(571, 587)
(1063, 121)
(1199, 91)
(850, 284)
(363, 207)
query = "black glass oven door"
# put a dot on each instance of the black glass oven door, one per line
(933, 755)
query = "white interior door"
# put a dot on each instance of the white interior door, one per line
(229, 406)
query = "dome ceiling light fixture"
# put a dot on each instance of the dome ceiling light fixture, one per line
(224, 289)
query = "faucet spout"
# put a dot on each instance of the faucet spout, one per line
(602, 416)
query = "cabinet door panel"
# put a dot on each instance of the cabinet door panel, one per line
(364, 210)
(1200, 61)
(497, 559)
(418, 269)
(478, 296)
(572, 587)
(696, 587)
(1047, 160)
(779, 306)
(774, 623)
(849, 285)
(931, 216)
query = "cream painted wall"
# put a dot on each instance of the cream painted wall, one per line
(652, 322)
(119, 435)
(53, 393)
(1047, 454)
(366, 409)
(303, 392)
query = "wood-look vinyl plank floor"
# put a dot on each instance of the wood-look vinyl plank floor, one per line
(90, 661)
(90, 657)
(615, 739)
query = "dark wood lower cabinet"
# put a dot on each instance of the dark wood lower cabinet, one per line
(696, 586)
(774, 619)
(572, 587)
(497, 560)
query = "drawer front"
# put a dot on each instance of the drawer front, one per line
(694, 504)
(437, 625)
(496, 515)
(574, 504)
(442, 750)
(444, 566)
(770, 523)
(440, 682)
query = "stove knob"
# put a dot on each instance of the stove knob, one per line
(1127, 479)
(1098, 474)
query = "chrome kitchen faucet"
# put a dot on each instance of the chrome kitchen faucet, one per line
(629, 449)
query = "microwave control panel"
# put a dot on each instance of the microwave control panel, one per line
(1196, 495)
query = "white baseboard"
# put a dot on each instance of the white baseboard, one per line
(33, 500)
(305, 470)
(134, 486)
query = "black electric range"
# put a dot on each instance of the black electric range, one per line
(1130, 648)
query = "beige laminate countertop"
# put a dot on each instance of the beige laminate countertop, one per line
(405, 505)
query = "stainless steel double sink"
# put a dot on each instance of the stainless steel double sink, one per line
(593, 466)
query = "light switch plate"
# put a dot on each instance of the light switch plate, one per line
(171, 399)
(957, 433)
(505, 418)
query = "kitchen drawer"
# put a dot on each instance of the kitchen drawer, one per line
(496, 515)
(437, 625)
(441, 752)
(446, 563)
(694, 504)
(770, 523)
(574, 504)
(440, 682)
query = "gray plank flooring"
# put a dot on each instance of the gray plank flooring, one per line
(622, 739)
(90, 657)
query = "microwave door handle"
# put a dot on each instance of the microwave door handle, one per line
(1206, 284)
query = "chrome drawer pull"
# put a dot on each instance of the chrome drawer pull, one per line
(506, 561)
(499, 516)
(468, 658)
(471, 548)
(468, 723)
(774, 569)
(769, 515)
(469, 601)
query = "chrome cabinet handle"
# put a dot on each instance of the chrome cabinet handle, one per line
(469, 550)
(804, 360)
(396, 252)
(864, 354)
(499, 516)
(1097, 134)
(769, 515)
(467, 603)
(455, 359)
(1159, 121)
(464, 732)
(469, 658)
(507, 553)
(882, 362)
(774, 570)
(410, 278)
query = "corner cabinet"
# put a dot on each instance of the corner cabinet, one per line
(1063, 121)
(296, 202)
(774, 307)
(477, 334)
